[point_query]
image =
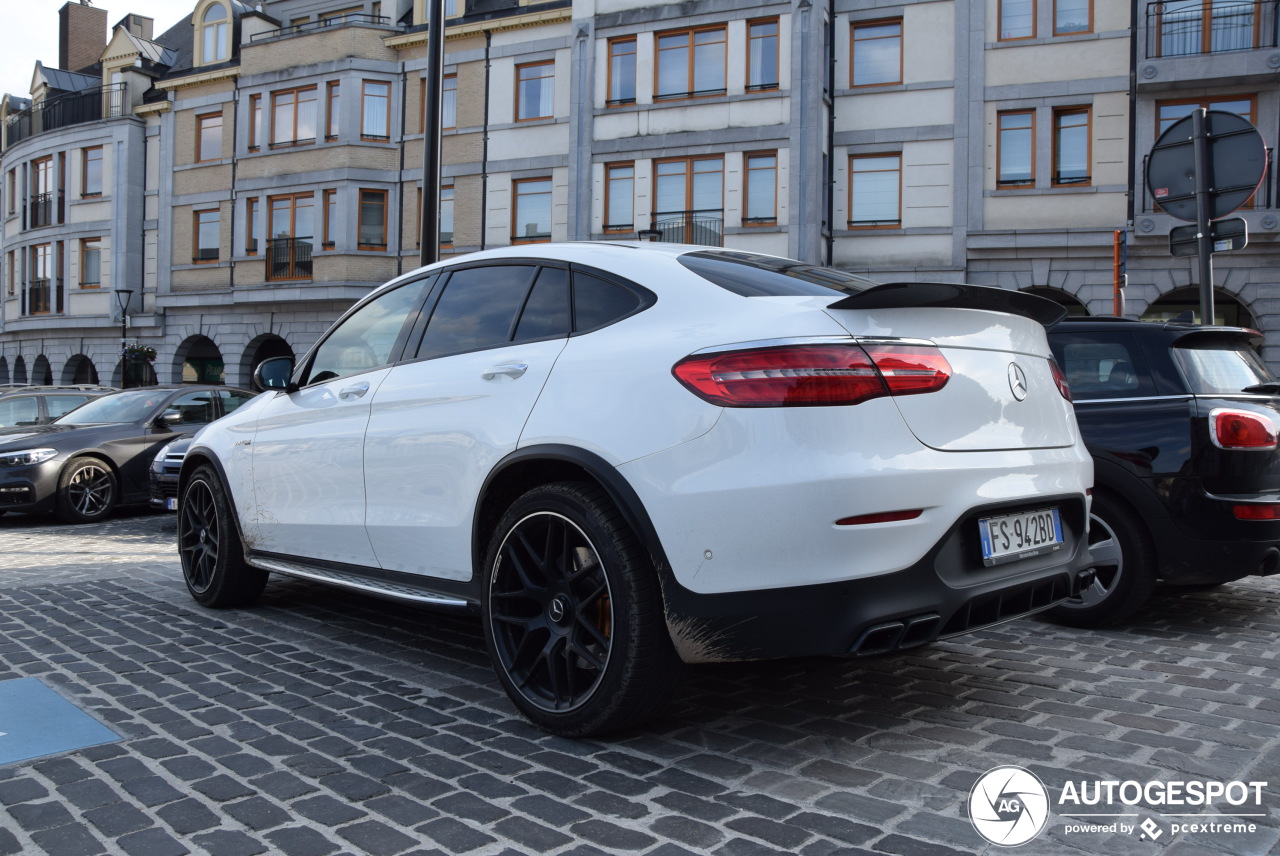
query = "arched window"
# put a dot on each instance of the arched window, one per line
(214, 34)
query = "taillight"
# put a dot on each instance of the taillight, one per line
(812, 375)
(1242, 429)
(1060, 378)
(1257, 512)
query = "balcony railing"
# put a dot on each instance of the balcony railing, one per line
(101, 102)
(45, 209)
(288, 258)
(1262, 199)
(1181, 28)
(326, 24)
(39, 297)
(705, 227)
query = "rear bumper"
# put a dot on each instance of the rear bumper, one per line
(1204, 542)
(945, 593)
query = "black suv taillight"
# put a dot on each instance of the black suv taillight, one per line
(813, 375)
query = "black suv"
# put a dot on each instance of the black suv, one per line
(1182, 422)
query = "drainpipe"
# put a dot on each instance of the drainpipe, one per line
(484, 156)
(404, 97)
(830, 159)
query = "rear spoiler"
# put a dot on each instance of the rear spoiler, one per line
(953, 295)
(1250, 337)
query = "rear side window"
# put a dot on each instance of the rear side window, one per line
(752, 275)
(546, 312)
(478, 309)
(597, 302)
(1103, 365)
(1220, 368)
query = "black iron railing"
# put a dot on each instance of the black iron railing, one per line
(39, 296)
(326, 24)
(705, 227)
(289, 258)
(1186, 29)
(45, 209)
(90, 105)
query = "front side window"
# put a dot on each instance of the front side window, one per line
(1015, 149)
(1072, 16)
(375, 122)
(875, 191)
(90, 262)
(531, 217)
(367, 338)
(209, 137)
(373, 220)
(206, 236)
(214, 35)
(762, 189)
(622, 71)
(877, 53)
(293, 117)
(91, 171)
(619, 191)
(691, 63)
(762, 54)
(1071, 146)
(1017, 19)
(478, 309)
(535, 90)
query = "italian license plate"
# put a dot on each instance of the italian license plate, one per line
(1020, 536)
(171, 503)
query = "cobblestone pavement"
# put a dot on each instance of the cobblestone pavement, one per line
(320, 722)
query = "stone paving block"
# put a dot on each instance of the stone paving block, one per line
(152, 842)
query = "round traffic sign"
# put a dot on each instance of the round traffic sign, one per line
(1237, 162)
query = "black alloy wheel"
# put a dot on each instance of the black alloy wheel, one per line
(209, 546)
(573, 616)
(86, 491)
(1124, 567)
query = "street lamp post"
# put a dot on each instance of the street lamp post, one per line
(123, 296)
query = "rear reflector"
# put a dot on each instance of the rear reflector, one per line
(880, 517)
(1257, 512)
(1242, 429)
(812, 375)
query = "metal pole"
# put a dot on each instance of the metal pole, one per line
(1204, 185)
(430, 237)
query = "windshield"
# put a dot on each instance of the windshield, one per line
(132, 406)
(752, 275)
(1220, 368)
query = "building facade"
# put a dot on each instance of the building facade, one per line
(223, 191)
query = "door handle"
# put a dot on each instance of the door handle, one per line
(511, 370)
(356, 390)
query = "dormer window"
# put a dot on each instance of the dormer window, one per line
(214, 34)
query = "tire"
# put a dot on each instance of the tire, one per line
(87, 491)
(573, 614)
(209, 545)
(1125, 566)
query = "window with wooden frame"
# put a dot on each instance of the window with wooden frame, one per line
(877, 53)
(293, 117)
(446, 215)
(1016, 148)
(875, 191)
(291, 216)
(622, 72)
(42, 188)
(255, 122)
(373, 220)
(11, 190)
(209, 137)
(762, 54)
(329, 233)
(531, 210)
(1071, 147)
(214, 35)
(1072, 16)
(535, 90)
(40, 282)
(1190, 27)
(91, 171)
(1169, 112)
(449, 102)
(619, 197)
(690, 63)
(90, 262)
(761, 189)
(11, 272)
(206, 233)
(375, 111)
(1017, 19)
(332, 121)
(252, 222)
(450, 8)
(684, 186)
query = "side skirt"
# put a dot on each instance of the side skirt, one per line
(390, 584)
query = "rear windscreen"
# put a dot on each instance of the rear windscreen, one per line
(1218, 368)
(752, 275)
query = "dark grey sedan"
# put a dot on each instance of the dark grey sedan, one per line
(96, 458)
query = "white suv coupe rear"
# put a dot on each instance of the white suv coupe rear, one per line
(629, 456)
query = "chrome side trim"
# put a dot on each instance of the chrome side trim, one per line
(812, 340)
(351, 581)
(1142, 398)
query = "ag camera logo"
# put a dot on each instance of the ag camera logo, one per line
(1008, 806)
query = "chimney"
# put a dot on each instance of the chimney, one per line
(82, 34)
(138, 25)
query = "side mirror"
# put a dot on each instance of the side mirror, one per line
(274, 374)
(169, 418)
